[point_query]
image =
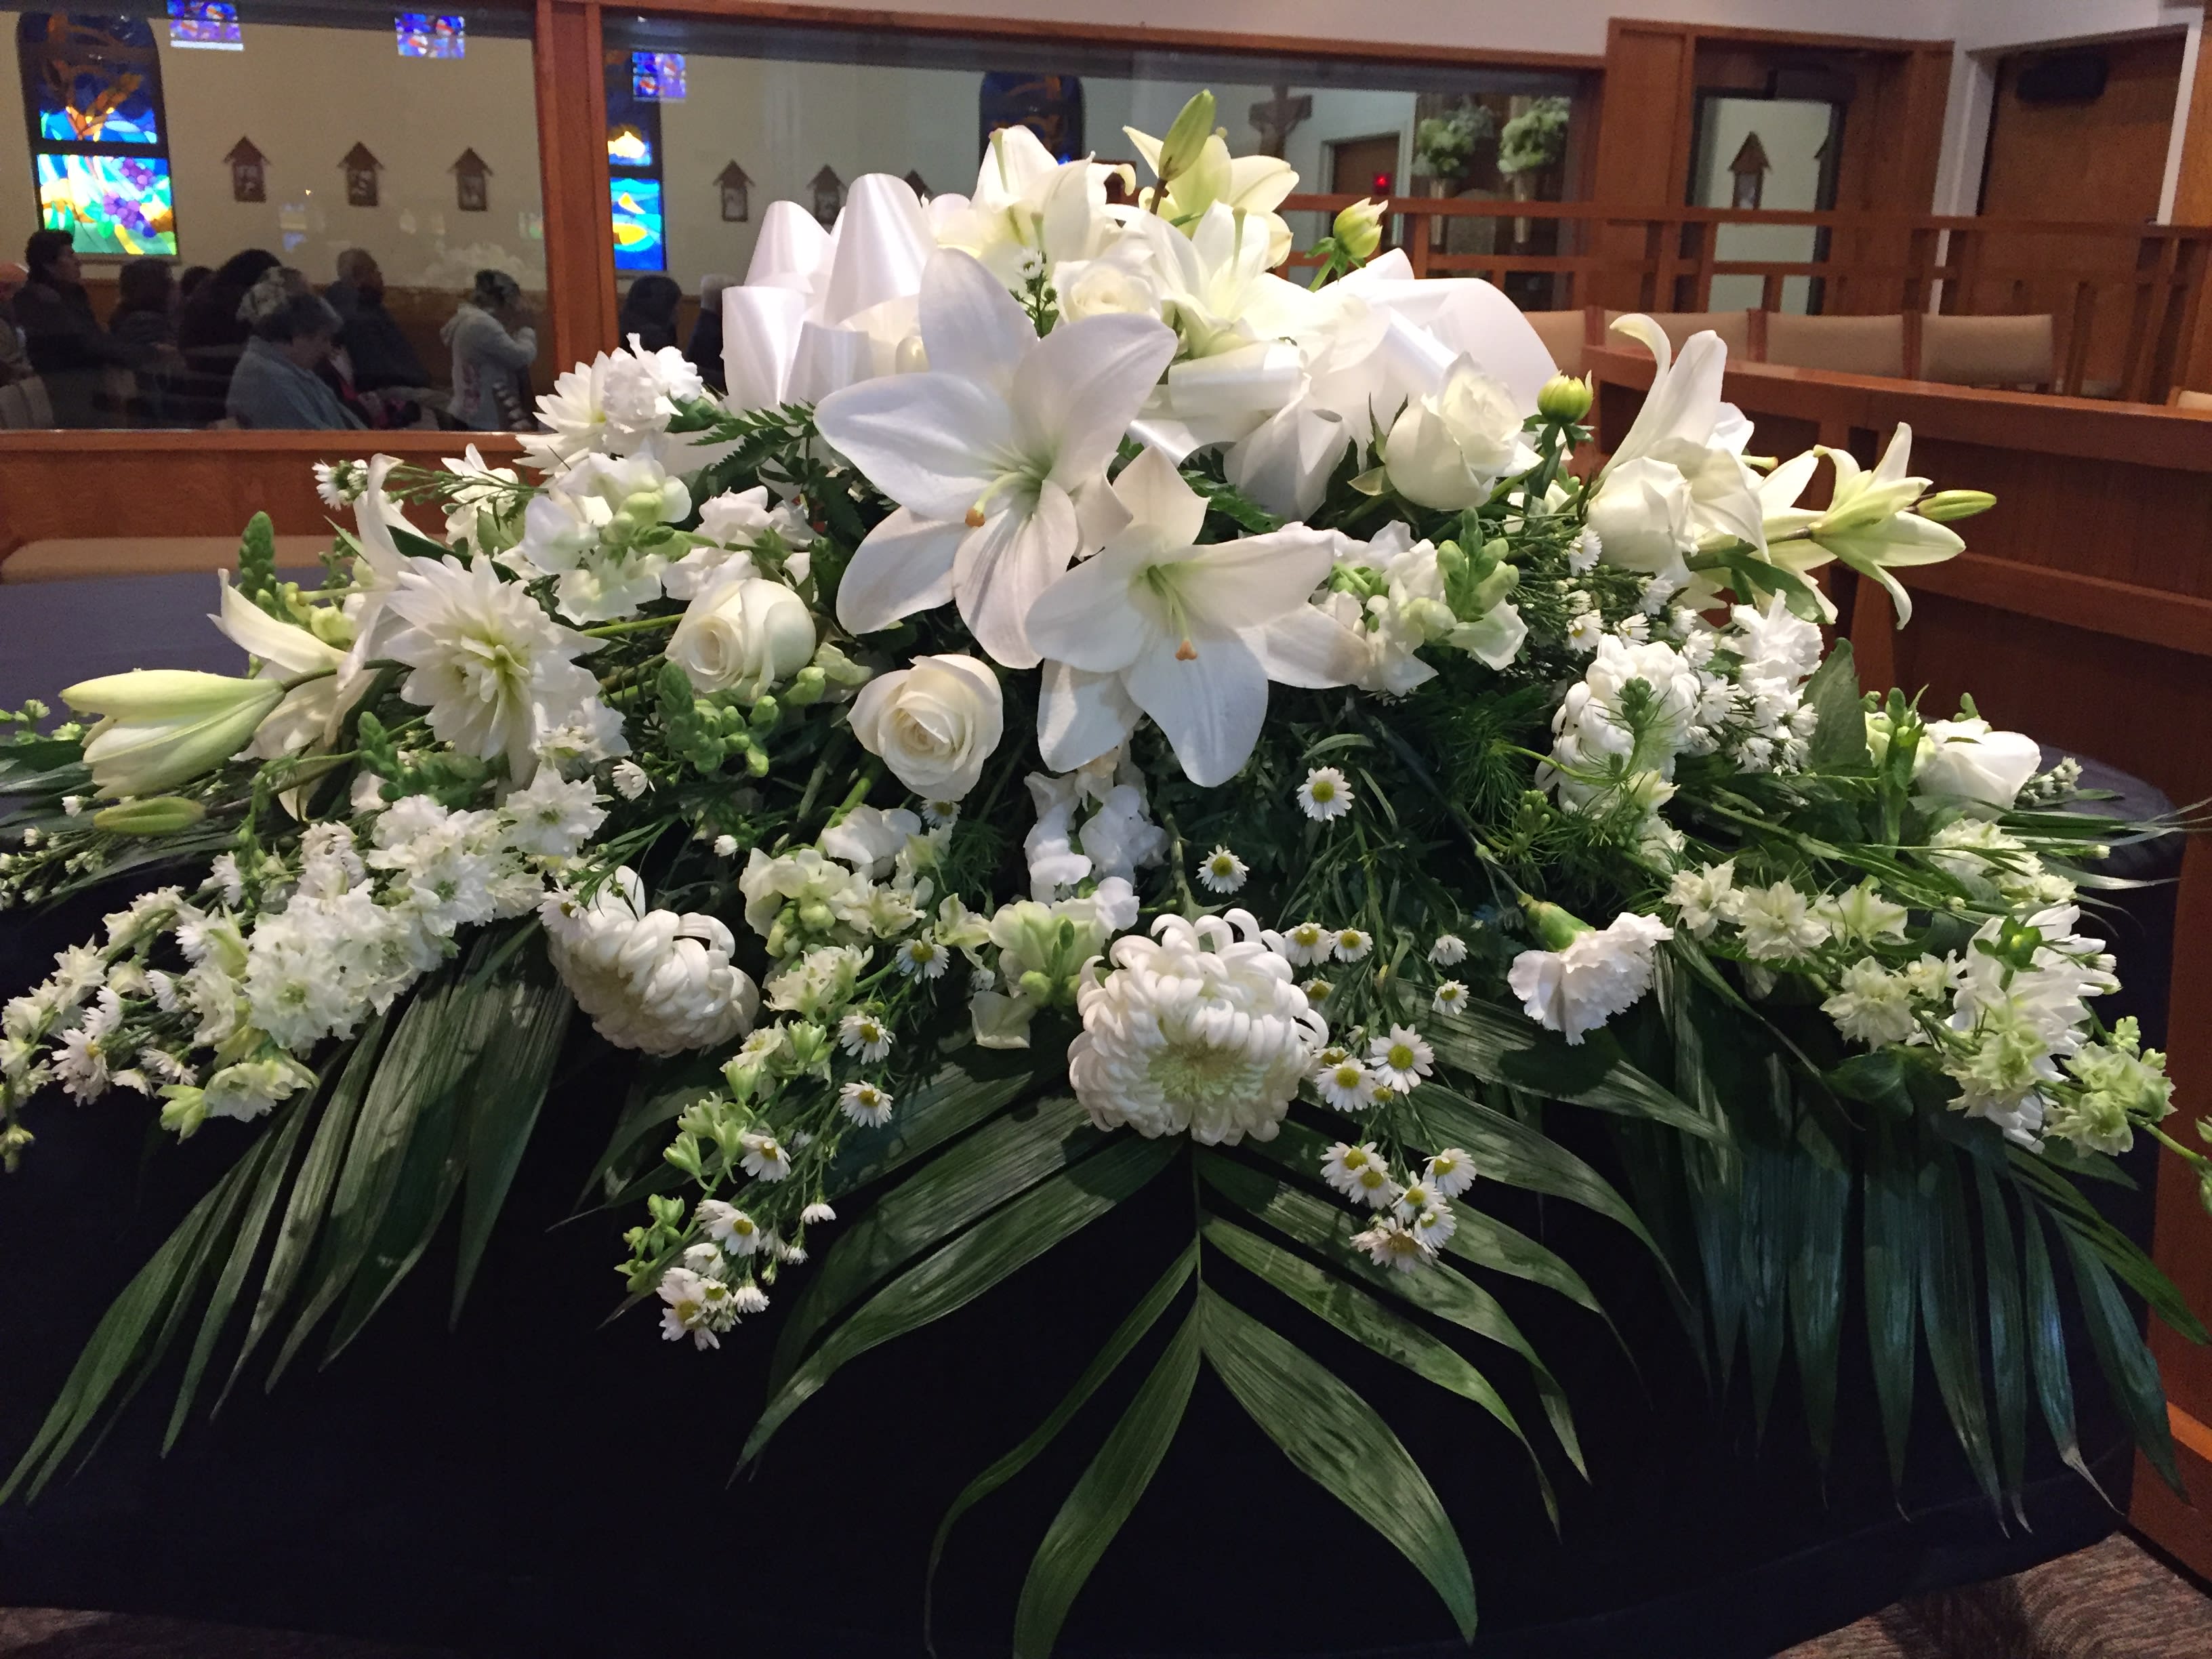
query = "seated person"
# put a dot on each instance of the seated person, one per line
(145, 319)
(275, 386)
(648, 312)
(67, 347)
(383, 356)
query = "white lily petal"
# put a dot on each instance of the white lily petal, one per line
(1309, 647)
(1256, 579)
(1081, 716)
(1212, 702)
(1077, 393)
(970, 325)
(932, 442)
(905, 565)
(1896, 461)
(1780, 491)
(1087, 619)
(255, 631)
(1153, 491)
(1002, 568)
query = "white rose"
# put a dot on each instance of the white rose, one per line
(743, 628)
(1973, 760)
(1447, 450)
(1641, 513)
(934, 724)
(1102, 288)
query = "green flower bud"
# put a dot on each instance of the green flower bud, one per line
(1565, 399)
(1359, 228)
(185, 1110)
(1555, 928)
(1180, 150)
(1945, 505)
(165, 726)
(1034, 986)
(164, 815)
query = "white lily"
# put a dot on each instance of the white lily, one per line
(1027, 206)
(312, 708)
(1649, 520)
(1191, 635)
(1869, 522)
(1255, 185)
(996, 456)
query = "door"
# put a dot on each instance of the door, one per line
(1773, 154)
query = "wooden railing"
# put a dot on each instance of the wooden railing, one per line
(2123, 298)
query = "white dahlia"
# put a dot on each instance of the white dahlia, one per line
(649, 979)
(1194, 1029)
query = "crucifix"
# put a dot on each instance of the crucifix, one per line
(1274, 119)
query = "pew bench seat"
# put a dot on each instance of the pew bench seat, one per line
(68, 558)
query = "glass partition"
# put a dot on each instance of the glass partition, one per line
(708, 122)
(271, 216)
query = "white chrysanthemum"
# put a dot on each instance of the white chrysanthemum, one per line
(1324, 794)
(1601, 972)
(1193, 1029)
(1223, 871)
(616, 404)
(493, 668)
(649, 979)
(1448, 952)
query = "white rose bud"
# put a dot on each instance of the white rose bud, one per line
(1102, 288)
(1641, 513)
(1448, 449)
(934, 724)
(1974, 761)
(744, 631)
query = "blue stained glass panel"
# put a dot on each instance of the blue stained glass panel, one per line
(657, 76)
(211, 25)
(640, 238)
(90, 79)
(113, 205)
(431, 34)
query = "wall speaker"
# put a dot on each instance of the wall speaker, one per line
(2073, 77)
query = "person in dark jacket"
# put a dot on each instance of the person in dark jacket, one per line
(704, 349)
(276, 384)
(145, 319)
(383, 356)
(648, 311)
(212, 336)
(68, 348)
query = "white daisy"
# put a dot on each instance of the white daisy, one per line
(1343, 1165)
(1223, 871)
(1324, 794)
(1450, 997)
(1416, 1196)
(921, 958)
(1588, 549)
(864, 1037)
(1305, 944)
(1584, 631)
(766, 1158)
(1343, 1084)
(1350, 945)
(726, 847)
(1387, 1244)
(1451, 1172)
(817, 1213)
(737, 1233)
(1432, 1224)
(630, 781)
(1402, 1059)
(1448, 952)
(866, 1104)
(940, 814)
(1316, 992)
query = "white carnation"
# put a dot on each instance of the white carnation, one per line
(1601, 973)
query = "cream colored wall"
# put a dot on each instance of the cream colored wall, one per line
(306, 96)
(1791, 132)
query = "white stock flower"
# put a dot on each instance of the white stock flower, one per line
(553, 817)
(1189, 635)
(1778, 922)
(582, 527)
(743, 631)
(1193, 1029)
(934, 724)
(1600, 972)
(996, 456)
(1448, 449)
(492, 668)
(649, 979)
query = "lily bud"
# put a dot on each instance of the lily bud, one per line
(1359, 228)
(164, 815)
(164, 727)
(1180, 150)
(1945, 505)
(1563, 398)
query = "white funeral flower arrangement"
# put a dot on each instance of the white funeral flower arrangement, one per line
(871, 756)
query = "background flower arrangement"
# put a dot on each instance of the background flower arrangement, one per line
(1385, 781)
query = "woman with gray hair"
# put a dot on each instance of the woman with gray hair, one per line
(275, 386)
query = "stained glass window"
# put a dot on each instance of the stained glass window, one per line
(211, 25)
(426, 34)
(636, 83)
(92, 97)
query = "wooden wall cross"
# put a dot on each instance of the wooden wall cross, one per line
(360, 170)
(1276, 117)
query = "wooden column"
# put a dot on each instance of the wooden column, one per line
(571, 144)
(2192, 205)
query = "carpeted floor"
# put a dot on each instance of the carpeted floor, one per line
(2110, 1602)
